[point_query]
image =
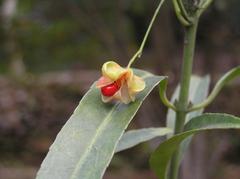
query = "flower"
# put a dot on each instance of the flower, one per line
(118, 83)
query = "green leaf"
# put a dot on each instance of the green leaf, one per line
(160, 158)
(85, 145)
(199, 87)
(134, 137)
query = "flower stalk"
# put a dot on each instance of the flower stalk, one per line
(138, 54)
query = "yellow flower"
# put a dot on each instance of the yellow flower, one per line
(118, 83)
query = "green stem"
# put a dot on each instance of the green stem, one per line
(178, 12)
(229, 76)
(204, 6)
(183, 101)
(163, 95)
(183, 11)
(138, 54)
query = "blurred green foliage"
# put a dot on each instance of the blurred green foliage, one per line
(55, 35)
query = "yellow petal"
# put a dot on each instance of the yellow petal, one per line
(136, 84)
(112, 70)
(124, 94)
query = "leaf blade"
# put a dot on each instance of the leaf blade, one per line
(162, 155)
(85, 145)
(134, 137)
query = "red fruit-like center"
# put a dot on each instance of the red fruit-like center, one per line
(110, 90)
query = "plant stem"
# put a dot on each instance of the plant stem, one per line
(139, 52)
(229, 76)
(183, 102)
(163, 95)
(204, 6)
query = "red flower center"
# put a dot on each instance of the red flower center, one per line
(110, 90)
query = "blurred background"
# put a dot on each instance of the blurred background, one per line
(51, 51)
